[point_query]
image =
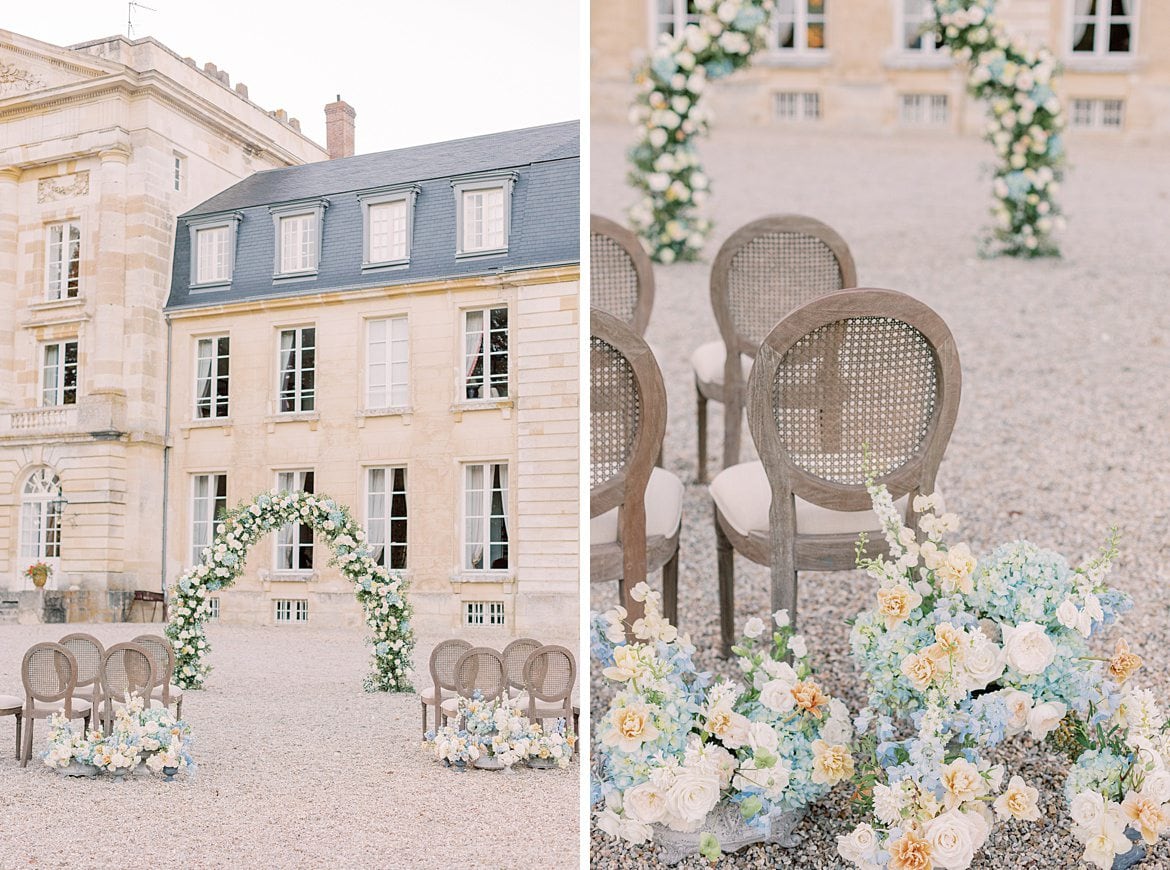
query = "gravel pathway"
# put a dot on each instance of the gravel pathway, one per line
(298, 767)
(1065, 410)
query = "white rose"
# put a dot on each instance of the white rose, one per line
(859, 846)
(983, 662)
(1044, 718)
(952, 845)
(1027, 648)
(754, 627)
(1067, 613)
(797, 646)
(1157, 786)
(1019, 705)
(692, 796)
(762, 737)
(781, 616)
(645, 803)
(1087, 808)
(776, 695)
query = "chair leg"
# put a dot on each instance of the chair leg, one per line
(732, 426)
(424, 716)
(18, 724)
(179, 709)
(701, 402)
(670, 589)
(726, 560)
(26, 751)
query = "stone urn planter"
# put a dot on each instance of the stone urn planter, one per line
(39, 576)
(733, 833)
(542, 763)
(488, 762)
(76, 768)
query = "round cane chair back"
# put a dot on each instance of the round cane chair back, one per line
(162, 657)
(444, 658)
(481, 669)
(88, 650)
(771, 267)
(621, 276)
(49, 672)
(515, 654)
(550, 674)
(127, 669)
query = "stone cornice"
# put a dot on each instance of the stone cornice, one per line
(526, 277)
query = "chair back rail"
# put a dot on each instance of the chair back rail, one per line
(481, 669)
(49, 674)
(444, 657)
(515, 655)
(621, 276)
(88, 650)
(162, 655)
(127, 668)
(550, 674)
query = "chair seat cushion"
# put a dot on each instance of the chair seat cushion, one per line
(664, 497)
(176, 692)
(451, 706)
(744, 497)
(79, 707)
(428, 694)
(708, 361)
(10, 702)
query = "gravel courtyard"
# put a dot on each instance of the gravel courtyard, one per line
(298, 767)
(1065, 416)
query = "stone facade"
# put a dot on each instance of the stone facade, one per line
(865, 80)
(115, 138)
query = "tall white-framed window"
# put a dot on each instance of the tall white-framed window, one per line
(1098, 114)
(298, 228)
(485, 517)
(212, 377)
(388, 221)
(798, 26)
(40, 517)
(208, 506)
(63, 260)
(796, 106)
(1103, 28)
(292, 610)
(180, 171)
(485, 354)
(386, 515)
(387, 363)
(297, 370)
(213, 249)
(924, 110)
(671, 17)
(916, 32)
(59, 373)
(483, 214)
(294, 542)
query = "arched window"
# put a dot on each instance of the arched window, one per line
(40, 516)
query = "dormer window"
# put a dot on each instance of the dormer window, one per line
(213, 250)
(298, 229)
(388, 223)
(483, 214)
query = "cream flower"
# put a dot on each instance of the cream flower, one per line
(1018, 801)
(982, 662)
(1146, 816)
(628, 727)
(951, 839)
(730, 727)
(1087, 808)
(1027, 648)
(776, 695)
(809, 697)
(956, 572)
(962, 782)
(888, 804)
(859, 846)
(831, 763)
(1044, 718)
(693, 795)
(910, 852)
(1105, 839)
(1123, 664)
(627, 664)
(645, 803)
(754, 627)
(920, 669)
(895, 603)
(1019, 705)
(762, 737)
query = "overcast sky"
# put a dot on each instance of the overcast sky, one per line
(414, 70)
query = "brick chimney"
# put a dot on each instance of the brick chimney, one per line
(339, 129)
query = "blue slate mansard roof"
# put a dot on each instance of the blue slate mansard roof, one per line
(544, 215)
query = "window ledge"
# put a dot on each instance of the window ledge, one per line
(211, 285)
(393, 411)
(805, 59)
(917, 60)
(294, 417)
(388, 265)
(471, 255)
(57, 304)
(1100, 64)
(482, 405)
(269, 577)
(294, 276)
(206, 423)
(459, 577)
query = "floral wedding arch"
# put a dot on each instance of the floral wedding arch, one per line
(382, 595)
(1024, 126)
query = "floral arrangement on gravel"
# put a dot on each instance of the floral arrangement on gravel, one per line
(1025, 123)
(382, 594)
(668, 116)
(676, 744)
(957, 657)
(496, 729)
(140, 734)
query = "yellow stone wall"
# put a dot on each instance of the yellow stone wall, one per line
(862, 74)
(535, 431)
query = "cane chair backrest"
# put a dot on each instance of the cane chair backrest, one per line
(515, 654)
(771, 267)
(444, 657)
(550, 674)
(88, 650)
(481, 669)
(621, 276)
(127, 669)
(49, 672)
(162, 656)
(859, 381)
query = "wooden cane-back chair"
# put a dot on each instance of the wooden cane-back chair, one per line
(49, 674)
(515, 654)
(765, 270)
(443, 659)
(126, 669)
(162, 654)
(635, 508)
(859, 380)
(550, 675)
(88, 650)
(621, 276)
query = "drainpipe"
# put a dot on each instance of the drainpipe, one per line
(166, 464)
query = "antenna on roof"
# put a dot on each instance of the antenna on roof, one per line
(130, 7)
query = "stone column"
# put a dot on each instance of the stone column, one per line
(105, 339)
(9, 221)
